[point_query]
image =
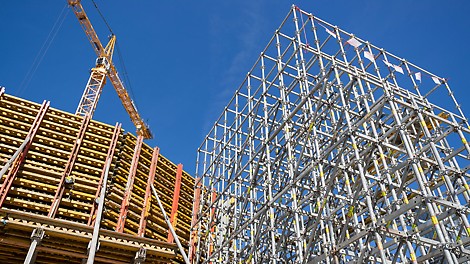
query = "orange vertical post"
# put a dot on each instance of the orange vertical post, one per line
(193, 236)
(8, 182)
(148, 193)
(176, 195)
(129, 186)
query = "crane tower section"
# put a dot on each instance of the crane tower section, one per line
(333, 150)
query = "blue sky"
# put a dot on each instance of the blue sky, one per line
(185, 59)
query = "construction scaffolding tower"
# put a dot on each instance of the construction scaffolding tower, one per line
(333, 150)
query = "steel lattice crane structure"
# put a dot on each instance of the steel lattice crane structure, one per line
(333, 150)
(104, 67)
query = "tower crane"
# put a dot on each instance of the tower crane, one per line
(104, 67)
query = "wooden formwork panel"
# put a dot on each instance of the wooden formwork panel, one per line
(39, 183)
(66, 242)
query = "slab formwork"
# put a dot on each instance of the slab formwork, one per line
(333, 150)
(58, 167)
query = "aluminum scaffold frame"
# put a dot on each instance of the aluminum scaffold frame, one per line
(333, 150)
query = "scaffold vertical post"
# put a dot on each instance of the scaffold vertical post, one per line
(36, 239)
(140, 256)
(94, 242)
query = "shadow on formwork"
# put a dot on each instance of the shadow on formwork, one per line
(54, 166)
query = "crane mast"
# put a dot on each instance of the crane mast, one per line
(104, 67)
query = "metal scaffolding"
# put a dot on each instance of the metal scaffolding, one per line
(333, 150)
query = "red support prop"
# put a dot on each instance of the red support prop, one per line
(193, 236)
(176, 196)
(69, 167)
(109, 158)
(19, 160)
(148, 193)
(129, 186)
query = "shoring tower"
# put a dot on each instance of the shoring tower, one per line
(333, 150)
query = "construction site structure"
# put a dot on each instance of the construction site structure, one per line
(333, 150)
(104, 67)
(74, 189)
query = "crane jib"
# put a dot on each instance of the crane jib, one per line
(104, 66)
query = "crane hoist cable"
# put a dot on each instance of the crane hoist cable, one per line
(122, 65)
(102, 17)
(43, 50)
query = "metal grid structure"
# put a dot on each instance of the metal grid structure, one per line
(68, 182)
(333, 150)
